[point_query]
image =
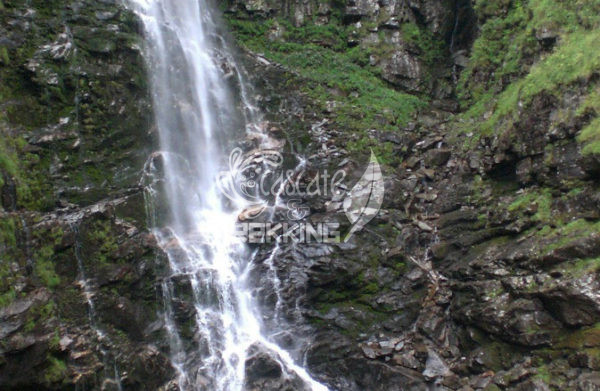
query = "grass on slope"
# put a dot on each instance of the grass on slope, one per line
(507, 44)
(576, 58)
(334, 73)
(590, 135)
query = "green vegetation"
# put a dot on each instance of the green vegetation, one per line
(44, 256)
(576, 58)
(490, 7)
(57, 370)
(540, 201)
(8, 158)
(337, 76)
(497, 54)
(30, 104)
(508, 67)
(39, 315)
(585, 338)
(584, 266)
(31, 187)
(500, 82)
(8, 243)
(100, 242)
(360, 324)
(44, 269)
(590, 135)
(432, 49)
(571, 232)
(544, 374)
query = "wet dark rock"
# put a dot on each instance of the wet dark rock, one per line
(591, 165)
(458, 217)
(8, 193)
(437, 157)
(585, 359)
(78, 180)
(150, 368)
(264, 372)
(547, 36)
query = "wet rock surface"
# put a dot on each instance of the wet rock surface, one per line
(76, 113)
(479, 273)
(480, 270)
(264, 372)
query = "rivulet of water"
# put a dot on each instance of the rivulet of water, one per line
(197, 111)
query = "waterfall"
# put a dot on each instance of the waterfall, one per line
(196, 88)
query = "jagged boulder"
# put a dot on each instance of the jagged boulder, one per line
(264, 371)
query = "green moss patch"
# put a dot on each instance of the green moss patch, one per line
(336, 77)
(8, 243)
(45, 254)
(56, 371)
(590, 135)
(500, 81)
(571, 232)
(538, 201)
(586, 338)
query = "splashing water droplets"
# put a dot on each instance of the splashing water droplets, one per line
(196, 116)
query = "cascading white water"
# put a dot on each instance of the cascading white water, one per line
(195, 113)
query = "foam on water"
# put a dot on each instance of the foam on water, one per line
(196, 113)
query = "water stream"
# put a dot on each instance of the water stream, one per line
(201, 103)
(88, 292)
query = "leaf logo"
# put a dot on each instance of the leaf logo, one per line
(365, 199)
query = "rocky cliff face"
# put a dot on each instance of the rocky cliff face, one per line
(480, 272)
(77, 265)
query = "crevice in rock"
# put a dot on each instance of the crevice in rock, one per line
(465, 27)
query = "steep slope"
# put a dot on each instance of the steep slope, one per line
(77, 267)
(481, 270)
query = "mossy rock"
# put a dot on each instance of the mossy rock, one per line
(588, 338)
